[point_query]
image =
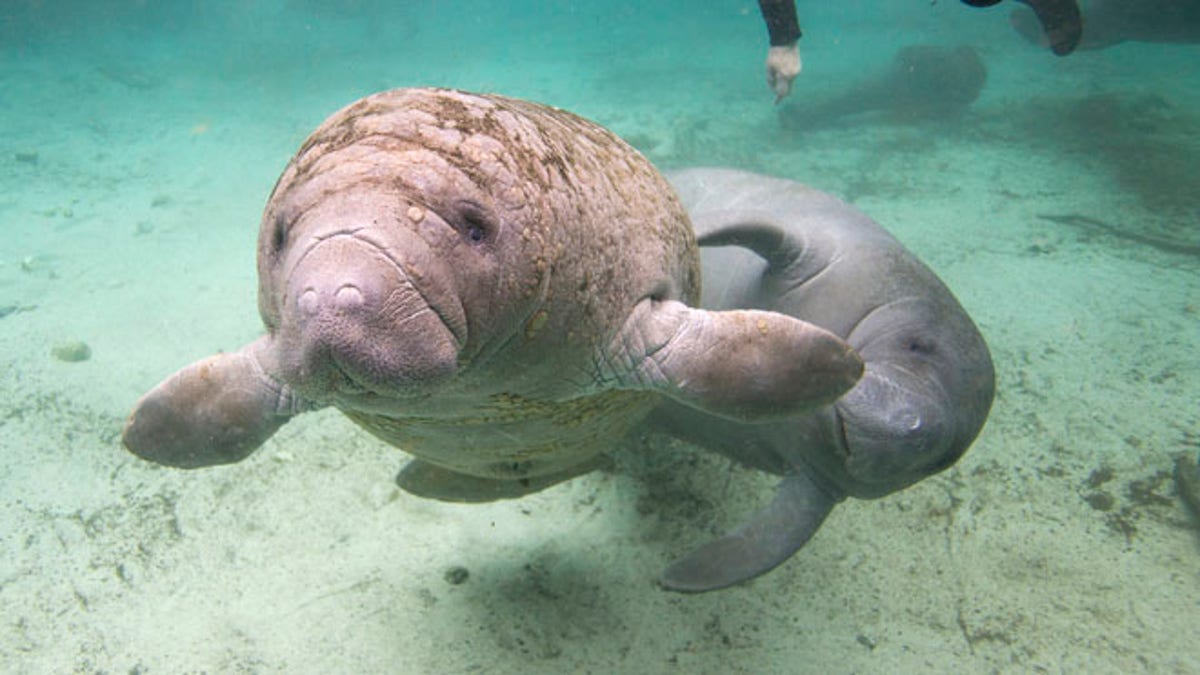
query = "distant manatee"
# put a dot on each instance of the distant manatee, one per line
(922, 82)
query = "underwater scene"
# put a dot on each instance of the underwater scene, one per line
(594, 337)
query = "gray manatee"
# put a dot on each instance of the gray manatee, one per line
(779, 246)
(497, 287)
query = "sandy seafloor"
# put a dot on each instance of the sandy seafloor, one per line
(137, 148)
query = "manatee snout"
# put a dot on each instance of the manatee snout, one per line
(358, 317)
(894, 433)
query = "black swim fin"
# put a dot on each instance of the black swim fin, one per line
(1061, 21)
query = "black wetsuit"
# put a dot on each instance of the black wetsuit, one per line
(1060, 20)
(782, 25)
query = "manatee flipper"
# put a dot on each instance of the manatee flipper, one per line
(739, 364)
(423, 479)
(758, 545)
(215, 411)
(750, 229)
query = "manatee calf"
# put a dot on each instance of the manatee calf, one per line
(779, 246)
(497, 287)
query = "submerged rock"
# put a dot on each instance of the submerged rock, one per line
(72, 351)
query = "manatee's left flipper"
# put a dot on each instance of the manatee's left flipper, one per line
(215, 411)
(758, 545)
(740, 364)
(431, 481)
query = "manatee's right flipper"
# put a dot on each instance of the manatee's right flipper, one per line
(740, 364)
(758, 545)
(431, 481)
(215, 411)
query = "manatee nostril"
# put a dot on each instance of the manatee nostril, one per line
(308, 303)
(348, 297)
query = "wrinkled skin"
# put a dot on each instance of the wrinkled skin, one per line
(780, 246)
(497, 287)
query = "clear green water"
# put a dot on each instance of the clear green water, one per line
(139, 141)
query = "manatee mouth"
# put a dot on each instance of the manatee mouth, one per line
(360, 318)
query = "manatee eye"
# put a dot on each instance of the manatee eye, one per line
(278, 236)
(473, 221)
(921, 345)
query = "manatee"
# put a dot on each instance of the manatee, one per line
(779, 246)
(1110, 22)
(921, 82)
(499, 288)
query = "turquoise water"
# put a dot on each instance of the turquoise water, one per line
(140, 140)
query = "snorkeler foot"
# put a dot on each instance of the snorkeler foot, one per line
(1060, 19)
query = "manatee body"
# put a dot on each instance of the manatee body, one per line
(1110, 22)
(497, 287)
(779, 246)
(921, 82)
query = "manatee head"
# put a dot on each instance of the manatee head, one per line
(924, 397)
(404, 241)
